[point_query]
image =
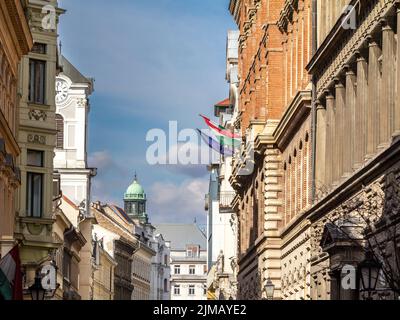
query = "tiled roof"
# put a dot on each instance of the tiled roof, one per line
(73, 73)
(120, 212)
(181, 235)
(224, 103)
(70, 202)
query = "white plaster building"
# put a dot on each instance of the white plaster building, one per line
(72, 99)
(188, 260)
(160, 288)
(221, 219)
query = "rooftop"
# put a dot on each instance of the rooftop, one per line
(181, 235)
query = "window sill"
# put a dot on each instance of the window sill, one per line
(38, 105)
(38, 221)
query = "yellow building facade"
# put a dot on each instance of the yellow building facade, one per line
(15, 41)
(36, 139)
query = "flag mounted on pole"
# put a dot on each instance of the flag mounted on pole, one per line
(11, 276)
(220, 130)
(225, 150)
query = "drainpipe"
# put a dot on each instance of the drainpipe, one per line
(314, 98)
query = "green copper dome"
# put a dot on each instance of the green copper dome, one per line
(135, 192)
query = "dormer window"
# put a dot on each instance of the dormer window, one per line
(192, 251)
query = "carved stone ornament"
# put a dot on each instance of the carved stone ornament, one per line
(37, 139)
(81, 102)
(37, 115)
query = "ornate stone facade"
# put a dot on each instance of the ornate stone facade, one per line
(275, 101)
(15, 41)
(327, 157)
(356, 136)
(36, 139)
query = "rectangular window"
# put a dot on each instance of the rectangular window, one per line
(34, 194)
(192, 269)
(35, 158)
(56, 186)
(177, 269)
(191, 290)
(37, 81)
(205, 290)
(60, 131)
(40, 48)
(67, 258)
(177, 290)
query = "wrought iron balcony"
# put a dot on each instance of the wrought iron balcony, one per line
(225, 200)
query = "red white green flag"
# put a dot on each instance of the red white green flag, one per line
(220, 130)
(11, 276)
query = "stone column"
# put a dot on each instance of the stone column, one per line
(372, 118)
(360, 114)
(349, 122)
(321, 147)
(388, 79)
(330, 138)
(339, 130)
(396, 116)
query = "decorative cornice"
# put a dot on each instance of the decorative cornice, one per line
(292, 118)
(286, 15)
(341, 45)
(355, 183)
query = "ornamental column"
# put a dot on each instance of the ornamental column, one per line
(388, 79)
(396, 116)
(321, 147)
(360, 114)
(340, 134)
(330, 138)
(349, 122)
(372, 118)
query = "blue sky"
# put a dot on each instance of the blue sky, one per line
(153, 62)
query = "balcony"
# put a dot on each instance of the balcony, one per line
(225, 201)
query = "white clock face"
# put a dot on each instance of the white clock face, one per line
(62, 91)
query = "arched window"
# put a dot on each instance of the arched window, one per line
(60, 131)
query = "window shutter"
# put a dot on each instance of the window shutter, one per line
(60, 131)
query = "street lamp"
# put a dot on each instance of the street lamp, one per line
(269, 289)
(369, 272)
(37, 291)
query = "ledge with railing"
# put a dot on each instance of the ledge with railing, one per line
(225, 200)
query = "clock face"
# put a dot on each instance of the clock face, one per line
(62, 91)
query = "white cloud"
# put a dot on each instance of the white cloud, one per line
(169, 202)
(101, 160)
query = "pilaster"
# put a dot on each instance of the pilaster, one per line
(360, 130)
(387, 101)
(374, 77)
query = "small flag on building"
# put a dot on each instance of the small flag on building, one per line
(215, 145)
(11, 276)
(220, 130)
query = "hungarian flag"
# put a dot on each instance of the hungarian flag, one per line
(11, 276)
(215, 145)
(220, 130)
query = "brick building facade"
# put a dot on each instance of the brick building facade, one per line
(275, 101)
(319, 116)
